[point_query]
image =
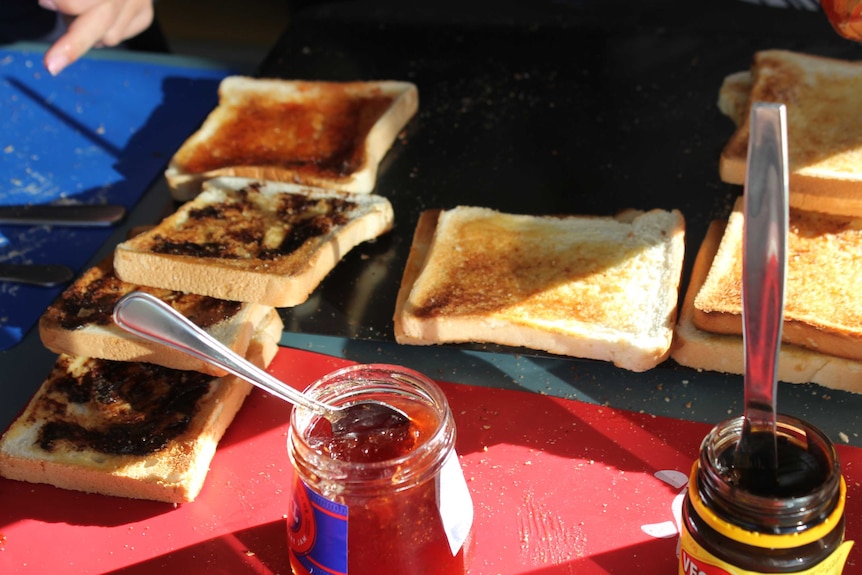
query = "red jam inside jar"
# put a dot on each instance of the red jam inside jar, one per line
(371, 504)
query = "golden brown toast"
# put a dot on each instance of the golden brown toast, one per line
(700, 349)
(823, 124)
(325, 134)
(260, 242)
(593, 287)
(128, 429)
(823, 302)
(80, 322)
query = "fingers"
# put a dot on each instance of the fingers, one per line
(95, 23)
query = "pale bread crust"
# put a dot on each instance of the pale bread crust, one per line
(174, 475)
(282, 282)
(823, 124)
(111, 342)
(703, 350)
(565, 315)
(234, 90)
(823, 304)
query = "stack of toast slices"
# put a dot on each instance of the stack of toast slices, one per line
(822, 329)
(121, 416)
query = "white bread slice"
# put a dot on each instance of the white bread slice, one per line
(733, 96)
(174, 473)
(592, 287)
(824, 127)
(823, 302)
(326, 134)
(260, 242)
(704, 350)
(80, 322)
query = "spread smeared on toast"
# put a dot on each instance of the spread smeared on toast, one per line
(118, 408)
(251, 225)
(324, 135)
(91, 300)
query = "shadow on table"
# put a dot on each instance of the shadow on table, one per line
(258, 549)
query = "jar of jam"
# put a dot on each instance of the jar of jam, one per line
(789, 519)
(378, 505)
(845, 17)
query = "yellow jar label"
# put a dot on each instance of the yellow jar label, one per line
(695, 560)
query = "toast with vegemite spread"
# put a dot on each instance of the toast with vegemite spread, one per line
(128, 429)
(326, 134)
(246, 240)
(80, 322)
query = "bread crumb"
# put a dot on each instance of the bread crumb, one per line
(844, 437)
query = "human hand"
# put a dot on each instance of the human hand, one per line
(94, 23)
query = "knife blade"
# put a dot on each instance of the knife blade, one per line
(47, 275)
(97, 215)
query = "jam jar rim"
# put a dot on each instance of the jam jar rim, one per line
(712, 484)
(425, 457)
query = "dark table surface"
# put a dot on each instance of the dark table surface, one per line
(530, 107)
(548, 107)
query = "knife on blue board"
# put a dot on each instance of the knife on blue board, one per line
(74, 215)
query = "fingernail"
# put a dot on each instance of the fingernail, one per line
(48, 5)
(55, 63)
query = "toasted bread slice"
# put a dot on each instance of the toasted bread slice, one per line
(733, 96)
(80, 322)
(261, 242)
(592, 287)
(700, 349)
(326, 134)
(823, 303)
(128, 429)
(823, 125)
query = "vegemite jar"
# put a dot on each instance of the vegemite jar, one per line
(365, 507)
(786, 520)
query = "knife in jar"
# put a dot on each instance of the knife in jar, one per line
(97, 215)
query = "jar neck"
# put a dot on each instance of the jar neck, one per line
(720, 488)
(388, 384)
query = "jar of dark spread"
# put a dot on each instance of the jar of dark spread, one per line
(392, 507)
(750, 522)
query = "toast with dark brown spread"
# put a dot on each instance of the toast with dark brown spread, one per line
(128, 429)
(259, 242)
(325, 134)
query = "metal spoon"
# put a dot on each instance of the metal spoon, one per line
(150, 318)
(763, 277)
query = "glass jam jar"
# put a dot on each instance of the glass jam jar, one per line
(845, 17)
(357, 514)
(750, 522)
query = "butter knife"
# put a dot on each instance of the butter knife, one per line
(47, 275)
(96, 215)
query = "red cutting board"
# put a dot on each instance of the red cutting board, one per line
(559, 487)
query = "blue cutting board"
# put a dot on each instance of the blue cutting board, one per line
(100, 132)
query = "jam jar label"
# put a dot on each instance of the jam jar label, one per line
(454, 502)
(695, 560)
(316, 533)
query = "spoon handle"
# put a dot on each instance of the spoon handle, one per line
(764, 260)
(150, 318)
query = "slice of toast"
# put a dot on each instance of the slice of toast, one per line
(823, 303)
(80, 322)
(128, 429)
(823, 125)
(700, 349)
(592, 287)
(260, 242)
(325, 134)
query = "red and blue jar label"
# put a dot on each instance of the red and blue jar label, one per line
(316, 533)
